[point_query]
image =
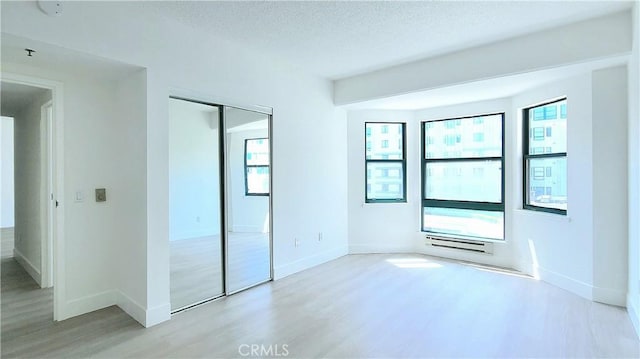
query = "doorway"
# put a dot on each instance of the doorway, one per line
(28, 197)
(219, 201)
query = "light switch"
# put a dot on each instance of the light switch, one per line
(79, 196)
(101, 195)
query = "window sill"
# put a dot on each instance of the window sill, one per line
(383, 203)
(542, 214)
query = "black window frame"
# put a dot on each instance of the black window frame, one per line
(458, 204)
(247, 166)
(402, 161)
(526, 157)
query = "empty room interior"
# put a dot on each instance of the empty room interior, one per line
(320, 179)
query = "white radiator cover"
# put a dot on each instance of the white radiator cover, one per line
(461, 244)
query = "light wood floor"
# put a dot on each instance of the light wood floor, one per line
(196, 266)
(358, 306)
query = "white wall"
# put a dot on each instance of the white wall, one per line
(29, 182)
(194, 170)
(309, 186)
(593, 233)
(633, 295)
(544, 242)
(248, 213)
(127, 194)
(610, 216)
(7, 182)
(382, 227)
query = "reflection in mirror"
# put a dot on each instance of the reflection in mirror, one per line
(194, 203)
(247, 201)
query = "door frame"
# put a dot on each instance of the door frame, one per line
(46, 191)
(52, 242)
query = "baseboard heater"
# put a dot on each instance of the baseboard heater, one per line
(460, 244)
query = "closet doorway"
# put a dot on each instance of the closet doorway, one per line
(220, 200)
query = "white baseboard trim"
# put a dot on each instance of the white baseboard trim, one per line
(146, 317)
(29, 267)
(610, 296)
(572, 285)
(365, 248)
(131, 307)
(308, 262)
(634, 313)
(157, 314)
(88, 304)
(525, 267)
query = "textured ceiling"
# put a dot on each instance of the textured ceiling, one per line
(340, 39)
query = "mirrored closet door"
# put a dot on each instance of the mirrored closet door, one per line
(219, 201)
(195, 203)
(248, 222)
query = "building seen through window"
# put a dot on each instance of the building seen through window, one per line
(385, 162)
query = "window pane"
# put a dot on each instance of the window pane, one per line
(257, 151)
(258, 180)
(385, 181)
(384, 141)
(547, 182)
(479, 181)
(466, 138)
(464, 222)
(548, 126)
